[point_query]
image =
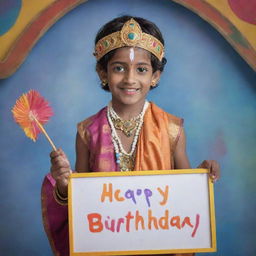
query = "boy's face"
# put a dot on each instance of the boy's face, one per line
(130, 75)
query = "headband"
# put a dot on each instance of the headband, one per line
(130, 35)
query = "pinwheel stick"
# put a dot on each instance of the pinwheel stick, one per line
(45, 133)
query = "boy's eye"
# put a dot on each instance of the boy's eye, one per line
(118, 68)
(142, 69)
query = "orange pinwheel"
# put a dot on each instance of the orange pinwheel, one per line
(31, 112)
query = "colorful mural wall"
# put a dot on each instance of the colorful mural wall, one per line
(207, 81)
(24, 22)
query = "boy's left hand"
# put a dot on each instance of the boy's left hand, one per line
(213, 167)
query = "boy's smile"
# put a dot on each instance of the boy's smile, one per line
(130, 75)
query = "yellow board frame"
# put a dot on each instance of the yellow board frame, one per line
(144, 173)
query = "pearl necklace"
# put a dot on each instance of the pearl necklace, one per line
(125, 159)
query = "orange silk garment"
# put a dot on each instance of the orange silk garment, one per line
(158, 138)
(157, 141)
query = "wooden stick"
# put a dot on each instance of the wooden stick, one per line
(45, 133)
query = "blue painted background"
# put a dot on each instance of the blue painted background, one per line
(205, 81)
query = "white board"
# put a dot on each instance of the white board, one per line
(149, 212)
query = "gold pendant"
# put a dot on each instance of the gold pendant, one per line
(126, 163)
(126, 127)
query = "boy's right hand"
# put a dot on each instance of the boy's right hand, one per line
(60, 170)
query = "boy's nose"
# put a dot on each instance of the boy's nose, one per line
(130, 77)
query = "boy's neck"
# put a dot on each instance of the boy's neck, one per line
(127, 112)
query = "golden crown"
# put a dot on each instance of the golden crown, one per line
(130, 35)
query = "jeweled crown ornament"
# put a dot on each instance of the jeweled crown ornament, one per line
(130, 35)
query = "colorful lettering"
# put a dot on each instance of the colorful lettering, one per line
(117, 196)
(186, 221)
(152, 219)
(119, 222)
(164, 194)
(112, 225)
(163, 221)
(175, 221)
(129, 194)
(148, 193)
(128, 217)
(95, 224)
(107, 192)
(196, 225)
(139, 219)
(132, 222)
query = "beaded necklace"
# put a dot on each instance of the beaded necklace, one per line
(125, 159)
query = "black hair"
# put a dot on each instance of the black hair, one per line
(116, 25)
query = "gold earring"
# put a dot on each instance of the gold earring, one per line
(154, 83)
(104, 82)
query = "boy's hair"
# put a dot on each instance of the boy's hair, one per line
(116, 25)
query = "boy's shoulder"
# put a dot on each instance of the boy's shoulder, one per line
(167, 124)
(171, 118)
(89, 120)
(84, 127)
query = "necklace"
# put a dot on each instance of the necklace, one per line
(126, 126)
(125, 159)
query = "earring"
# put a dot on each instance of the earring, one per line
(104, 82)
(153, 84)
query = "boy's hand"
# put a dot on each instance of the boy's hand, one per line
(60, 170)
(214, 169)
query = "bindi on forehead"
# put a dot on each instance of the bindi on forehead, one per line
(132, 54)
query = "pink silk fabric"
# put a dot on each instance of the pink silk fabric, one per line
(157, 141)
(55, 219)
(96, 134)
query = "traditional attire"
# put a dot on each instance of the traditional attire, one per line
(156, 145)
